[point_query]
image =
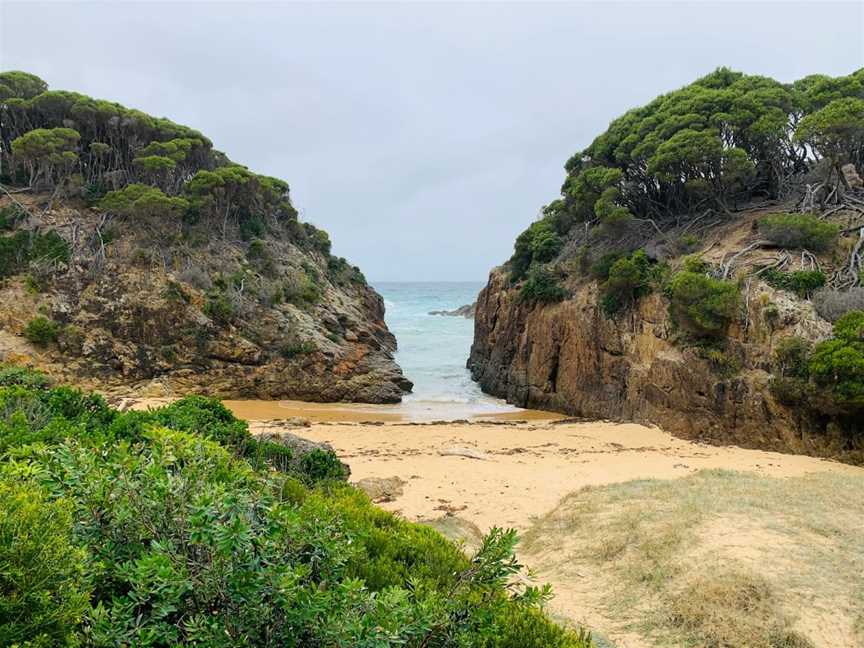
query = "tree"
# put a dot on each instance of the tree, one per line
(21, 85)
(836, 132)
(142, 201)
(47, 153)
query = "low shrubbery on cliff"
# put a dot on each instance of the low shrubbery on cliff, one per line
(827, 377)
(175, 527)
(803, 231)
(700, 304)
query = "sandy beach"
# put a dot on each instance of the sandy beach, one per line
(520, 471)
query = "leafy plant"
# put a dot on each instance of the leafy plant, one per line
(702, 305)
(42, 331)
(799, 231)
(801, 282)
(542, 287)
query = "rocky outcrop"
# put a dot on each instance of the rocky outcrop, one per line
(569, 357)
(466, 311)
(144, 312)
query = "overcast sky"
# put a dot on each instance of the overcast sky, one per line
(423, 137)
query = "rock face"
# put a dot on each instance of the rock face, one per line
(228, 318)
(466, 311)
(569, 357)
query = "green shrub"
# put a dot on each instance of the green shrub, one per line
(801, 282)
(799, 231)
(43, 587)
(792, 356)
(319, 465)
(219, 308)
(627, 281)
(701, 305)
(19, 249)
(295, 348)
(187, 543)
(537, 244)
(10, 216)
(42, 331)
(837, 365)
(541, 286)
(12, 375)
(600, 268)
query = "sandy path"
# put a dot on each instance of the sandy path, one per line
(528, 468)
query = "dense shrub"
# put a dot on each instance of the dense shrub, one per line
(792, 356)
(219, 308)
(14, 375)
(799, 231)
(537, 244)
(837, 365)
(627, 280)
(42, 331)
(541, 286)
(43, 588)
(833, 304)
(144, 529)
(700, 304)
(801, 282)
(19, 249)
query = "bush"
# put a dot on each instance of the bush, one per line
(837, 365)
(792, 356)
(42, 580)
(11, 375)
(799, 231)
(188, 543)
(833, 304)
(541, 286)
(219, 308)
(537, 244)
(42, 331)
(627, 281)
(801, 282)
(295, 348)
(701, 305)
(10, 216)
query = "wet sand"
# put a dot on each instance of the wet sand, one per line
(408, 411)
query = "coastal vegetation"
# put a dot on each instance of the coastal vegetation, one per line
(705, 228)
(176, 527)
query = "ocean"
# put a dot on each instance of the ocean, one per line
(433, 349)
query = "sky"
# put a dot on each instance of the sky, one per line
(422, 137)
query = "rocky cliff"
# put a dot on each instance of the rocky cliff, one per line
(128, 313)
(135, 257)
(691, 270)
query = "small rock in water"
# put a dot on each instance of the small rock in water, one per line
(467, 311)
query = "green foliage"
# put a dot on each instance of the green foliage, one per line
(10, 216)
(42, 580)
(541, 286)
(143, 201)
(837, 365)
(792, 357)
(47, 151)
(799, 231)
(219, 308)
(13, 375)
(301, 288)
(627, 281)
(835, 131)
(702, 305)
(801, 282)
(42, 331)
(151, 529)
(539, 243)
(20, 85)
(22, 247)
(295, 348)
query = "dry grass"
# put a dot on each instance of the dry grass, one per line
(716, 559)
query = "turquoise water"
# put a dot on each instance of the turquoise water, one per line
(433, 349)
